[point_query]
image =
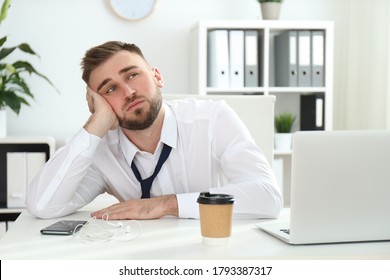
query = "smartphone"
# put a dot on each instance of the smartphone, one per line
(63, 227)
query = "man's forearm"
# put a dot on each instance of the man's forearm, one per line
(170, 204)
(141, 209)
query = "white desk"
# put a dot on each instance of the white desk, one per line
(172, 238)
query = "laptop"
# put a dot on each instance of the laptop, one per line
(340, 188)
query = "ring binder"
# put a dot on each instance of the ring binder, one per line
(251, 75)
(286, 68)
(236, 58)
(218, 59)
(317, 59)
(304, 58)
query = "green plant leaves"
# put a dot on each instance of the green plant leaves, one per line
(3, 40)
(284, 123)
(265, 1)
(22, 86)
(13, 100)
(4, 52)
(26, 48)
(25, 66)
(13, 87)
(4, 10)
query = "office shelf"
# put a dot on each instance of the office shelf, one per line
(287, 98)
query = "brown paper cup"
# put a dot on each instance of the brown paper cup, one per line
(216, 212)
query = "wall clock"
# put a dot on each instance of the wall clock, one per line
(133, 9)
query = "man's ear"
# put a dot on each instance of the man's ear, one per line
(158, 77)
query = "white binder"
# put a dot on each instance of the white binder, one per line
(251, 71)
(286, 67)
(317, 58)
(236, 55)
(304, 58)
(218, 59)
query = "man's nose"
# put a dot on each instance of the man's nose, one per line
(128, 91)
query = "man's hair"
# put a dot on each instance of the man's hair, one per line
(99, 54)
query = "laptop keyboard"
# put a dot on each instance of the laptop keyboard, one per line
(286, 231)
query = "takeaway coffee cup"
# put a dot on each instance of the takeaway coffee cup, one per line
(216, 211)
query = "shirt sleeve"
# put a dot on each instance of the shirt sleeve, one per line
(186, 202)
(63, 184)
(250, 177)
(247, 174)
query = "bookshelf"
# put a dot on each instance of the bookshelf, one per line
(288, 98)
(267, 31)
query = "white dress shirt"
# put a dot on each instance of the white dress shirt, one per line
(212, 151)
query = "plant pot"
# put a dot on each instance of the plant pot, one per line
(283, 141)
(270, 10)
(3, 123)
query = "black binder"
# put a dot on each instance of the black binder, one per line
(313, 111)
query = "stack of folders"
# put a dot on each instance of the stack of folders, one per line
(300, 58)
(232, 58)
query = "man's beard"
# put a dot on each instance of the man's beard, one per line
(143, 119)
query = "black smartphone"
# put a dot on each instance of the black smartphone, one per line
(63, 227)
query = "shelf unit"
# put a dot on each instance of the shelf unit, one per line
(287, 98)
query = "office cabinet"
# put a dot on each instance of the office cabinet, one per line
(20, 160)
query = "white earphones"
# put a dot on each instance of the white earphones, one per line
(93, 232)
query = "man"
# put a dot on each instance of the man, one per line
(191, 146)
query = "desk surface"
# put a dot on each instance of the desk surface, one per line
(172, 238)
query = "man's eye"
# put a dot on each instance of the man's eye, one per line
(110, 89)
(132, 75)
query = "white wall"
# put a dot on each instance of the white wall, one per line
(61, 31)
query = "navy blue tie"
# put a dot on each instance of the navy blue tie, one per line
(146, 184)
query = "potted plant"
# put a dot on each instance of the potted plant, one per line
(283, 127)
(270, 9)
(13, 86)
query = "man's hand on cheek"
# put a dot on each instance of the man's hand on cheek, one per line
(103, 117)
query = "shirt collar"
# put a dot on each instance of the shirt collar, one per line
(168, 135)
(169, 129)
